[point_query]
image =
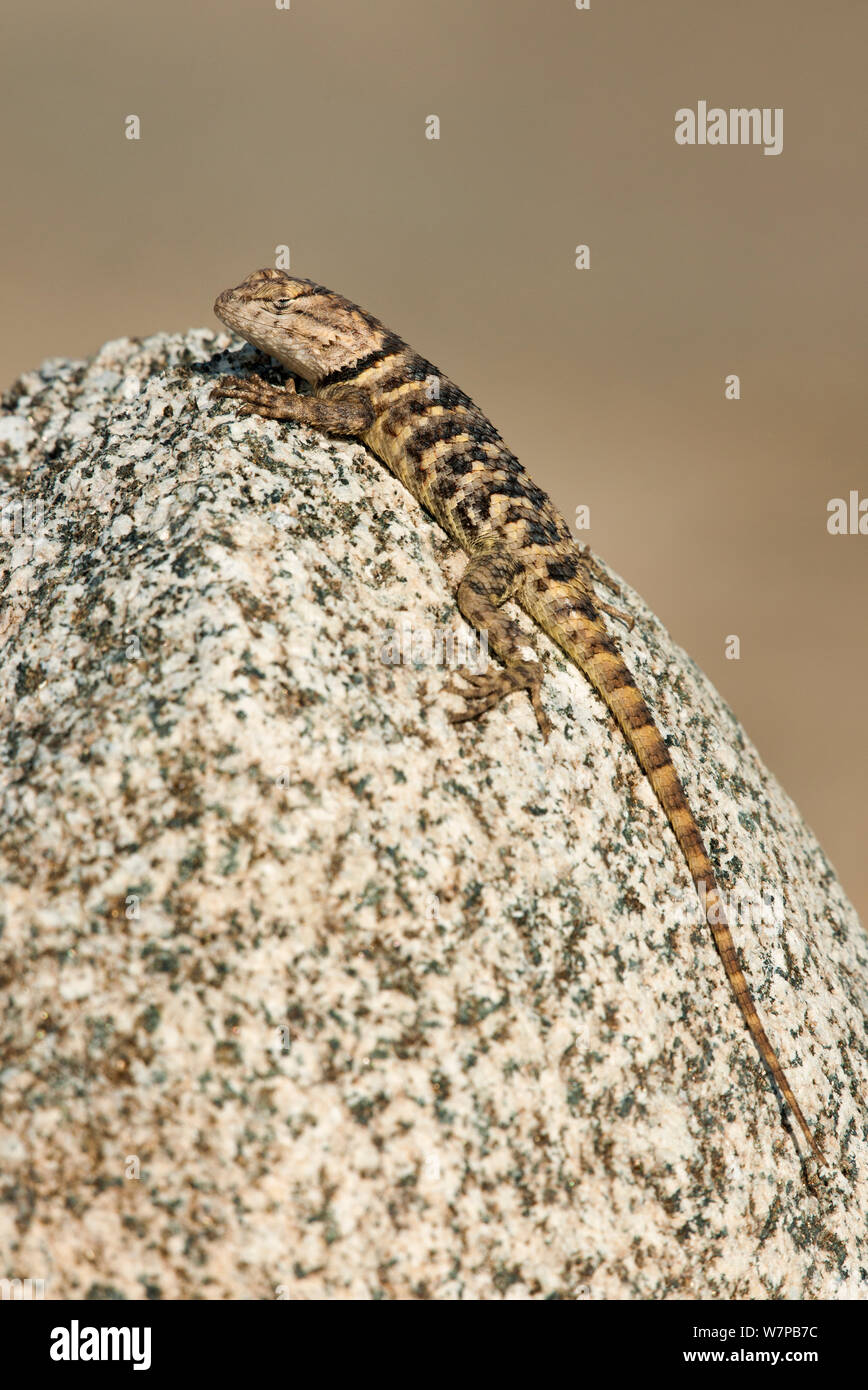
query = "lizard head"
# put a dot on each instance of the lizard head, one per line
(310, 330)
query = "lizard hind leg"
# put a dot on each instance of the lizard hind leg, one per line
(593, 570)
(489, 580)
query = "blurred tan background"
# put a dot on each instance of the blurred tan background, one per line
(307, 127)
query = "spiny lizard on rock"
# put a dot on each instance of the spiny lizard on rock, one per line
(369, 384)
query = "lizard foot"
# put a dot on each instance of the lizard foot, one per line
(257, 397)
(615, 613)
(590, 563)
(595, 570)
(486, 691)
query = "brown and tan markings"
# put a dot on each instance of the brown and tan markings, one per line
(370, 385)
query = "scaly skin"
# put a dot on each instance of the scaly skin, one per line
(370, 385)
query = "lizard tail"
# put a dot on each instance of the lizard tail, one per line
(599, 658)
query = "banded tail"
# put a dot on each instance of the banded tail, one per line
(594, 650)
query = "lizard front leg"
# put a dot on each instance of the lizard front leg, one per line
(489, 580)
(348, 412)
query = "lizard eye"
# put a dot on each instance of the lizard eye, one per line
(281, 304)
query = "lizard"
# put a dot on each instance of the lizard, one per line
(370, 385)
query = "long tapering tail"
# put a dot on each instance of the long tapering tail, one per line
(595, 651)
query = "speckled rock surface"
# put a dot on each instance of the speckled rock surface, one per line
(307, 993)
